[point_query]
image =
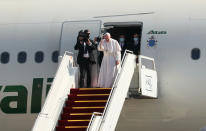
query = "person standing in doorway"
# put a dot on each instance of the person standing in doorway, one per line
(123, 45)
(85, 57)
(135, 46)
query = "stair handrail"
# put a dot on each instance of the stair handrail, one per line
(114, 85)
(62, 83)
(111, 93)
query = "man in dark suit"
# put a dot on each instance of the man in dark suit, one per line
(134, 45)
(85, 57)
(123, 44)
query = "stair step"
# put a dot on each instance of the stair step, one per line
(86, 103)
(80, 106)
(67, 116)
(93, 95)
(94, 89)
(89, 101)
(88, 97)
(71, 128)
(92, 107)
(73, 122)
(82, 109)
(90, 91)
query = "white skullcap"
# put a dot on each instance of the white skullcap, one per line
(107, 34)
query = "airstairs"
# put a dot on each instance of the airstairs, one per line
(84, 109)
(80, 106)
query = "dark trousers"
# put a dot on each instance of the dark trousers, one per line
(85, 68)
(100, 57)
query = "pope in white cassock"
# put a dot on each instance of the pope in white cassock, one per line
(111, 61)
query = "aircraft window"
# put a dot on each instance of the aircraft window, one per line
(195, 54)
(39, 56)
(5, 57)
(55, 55)
(22, 57)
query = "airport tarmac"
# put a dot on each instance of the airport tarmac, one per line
(155, 115)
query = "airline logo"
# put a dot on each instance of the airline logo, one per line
(152, 32)
(21, 99)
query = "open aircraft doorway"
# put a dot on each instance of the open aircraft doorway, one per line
(68, 39)
(144, 81)
(128, 29)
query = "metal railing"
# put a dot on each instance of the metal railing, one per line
(91, 123)
(63, 82)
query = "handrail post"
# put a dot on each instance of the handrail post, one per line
(91, 123)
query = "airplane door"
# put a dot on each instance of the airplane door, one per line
(68, 39)
(70, 30)
(147, 77)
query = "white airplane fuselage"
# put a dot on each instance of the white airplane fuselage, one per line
(178, 28)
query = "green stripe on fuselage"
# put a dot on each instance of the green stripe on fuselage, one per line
(36, 95)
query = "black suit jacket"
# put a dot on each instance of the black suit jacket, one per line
(128, 45)
(89, 48)
(123, 48)
(135, 48)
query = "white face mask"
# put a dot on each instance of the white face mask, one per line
(121, 39)
(135, 39)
